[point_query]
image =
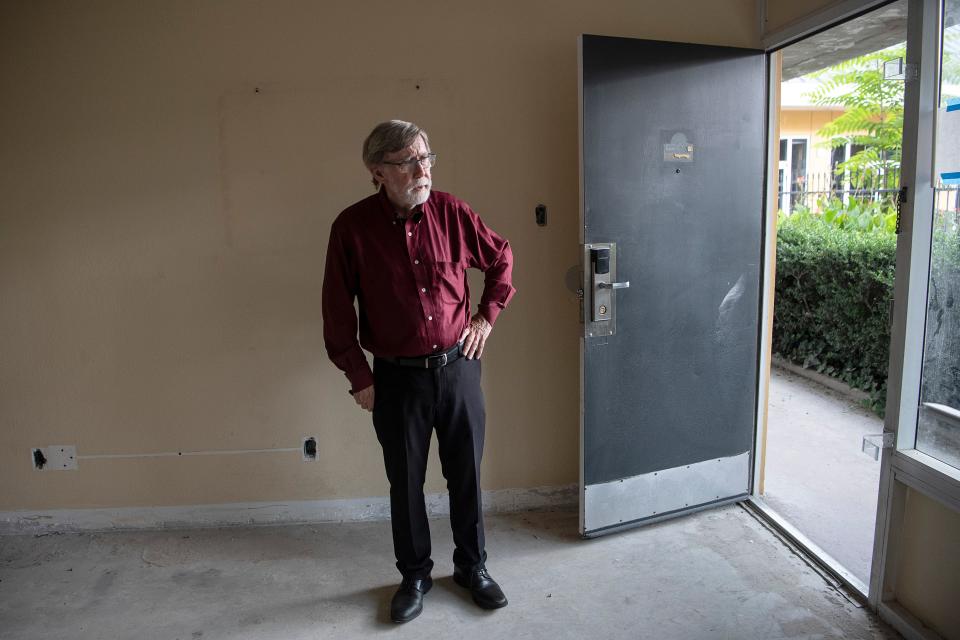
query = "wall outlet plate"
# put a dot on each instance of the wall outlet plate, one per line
(59, 457)
(309, 444)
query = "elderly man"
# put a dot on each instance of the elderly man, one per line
(403, 254)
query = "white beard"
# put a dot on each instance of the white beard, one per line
(414, 197)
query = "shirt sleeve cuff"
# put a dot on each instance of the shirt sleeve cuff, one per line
(490, 312)
(361, 378)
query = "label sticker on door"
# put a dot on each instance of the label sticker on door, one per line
(676, 147)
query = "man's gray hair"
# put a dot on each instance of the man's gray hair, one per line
(389, 137)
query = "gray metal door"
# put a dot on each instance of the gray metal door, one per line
(672, 170)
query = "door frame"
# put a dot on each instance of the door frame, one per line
(902, 466)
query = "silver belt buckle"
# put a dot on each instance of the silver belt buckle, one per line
(443, 360)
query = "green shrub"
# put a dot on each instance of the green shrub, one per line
(835, 273)
(833, 290)
(855, 215)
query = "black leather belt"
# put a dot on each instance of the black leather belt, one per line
(432, 361)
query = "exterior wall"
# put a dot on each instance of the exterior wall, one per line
(170, 173)
(804, 123)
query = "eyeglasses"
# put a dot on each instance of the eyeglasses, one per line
(406, 166)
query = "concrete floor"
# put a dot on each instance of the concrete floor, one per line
(816, 476)
(715, 574)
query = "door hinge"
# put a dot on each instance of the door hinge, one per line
(899, 69)
(911, 71)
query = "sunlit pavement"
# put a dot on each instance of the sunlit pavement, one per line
(816, 475)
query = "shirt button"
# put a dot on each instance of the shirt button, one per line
(423, 290)
(429, 317)
(416, 262)
(434, 346)
(409, 233)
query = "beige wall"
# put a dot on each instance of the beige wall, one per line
(928, 570)
(169, 174)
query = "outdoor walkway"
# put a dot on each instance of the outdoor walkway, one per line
(816, 476)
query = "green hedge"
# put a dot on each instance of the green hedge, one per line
(832, 307)
(834, 286)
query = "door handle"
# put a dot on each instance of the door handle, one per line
(600, 274)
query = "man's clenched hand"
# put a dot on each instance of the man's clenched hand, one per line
(364, 398)
(475, 336)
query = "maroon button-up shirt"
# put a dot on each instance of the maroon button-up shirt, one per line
(409, 278)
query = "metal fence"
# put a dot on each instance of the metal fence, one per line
(811, 189)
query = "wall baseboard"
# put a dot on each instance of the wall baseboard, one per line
(267, 513)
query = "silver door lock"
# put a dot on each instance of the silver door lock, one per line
(598, 301)
(600, 270)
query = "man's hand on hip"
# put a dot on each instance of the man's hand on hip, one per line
(475, 336)
(364, 398)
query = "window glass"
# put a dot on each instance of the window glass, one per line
(837, 155)
(938, 429)
(798, 170)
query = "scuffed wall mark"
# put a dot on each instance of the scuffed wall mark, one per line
(226, 206)
(723, 327)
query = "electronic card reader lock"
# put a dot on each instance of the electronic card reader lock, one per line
(601, 272)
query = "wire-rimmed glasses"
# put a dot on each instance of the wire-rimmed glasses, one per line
(426, 161)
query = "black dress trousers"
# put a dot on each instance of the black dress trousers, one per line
(408, 404)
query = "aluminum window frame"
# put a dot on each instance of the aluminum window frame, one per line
(903, 467)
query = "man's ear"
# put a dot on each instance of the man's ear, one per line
(377, 175)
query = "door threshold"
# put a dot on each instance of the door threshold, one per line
(809, 550)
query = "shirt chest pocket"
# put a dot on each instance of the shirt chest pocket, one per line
(447, 279)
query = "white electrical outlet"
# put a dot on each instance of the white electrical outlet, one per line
(57, 457)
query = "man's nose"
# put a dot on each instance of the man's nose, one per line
(419, 170)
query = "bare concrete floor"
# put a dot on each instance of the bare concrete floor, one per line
(716, 574)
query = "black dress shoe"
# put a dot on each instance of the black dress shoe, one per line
(484, 589)
(407, 602)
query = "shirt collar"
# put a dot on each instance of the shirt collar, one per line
(390, 211)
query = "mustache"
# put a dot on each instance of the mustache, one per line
(423, 182)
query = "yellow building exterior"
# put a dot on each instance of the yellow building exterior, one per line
(806, 162)
(803, 124)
